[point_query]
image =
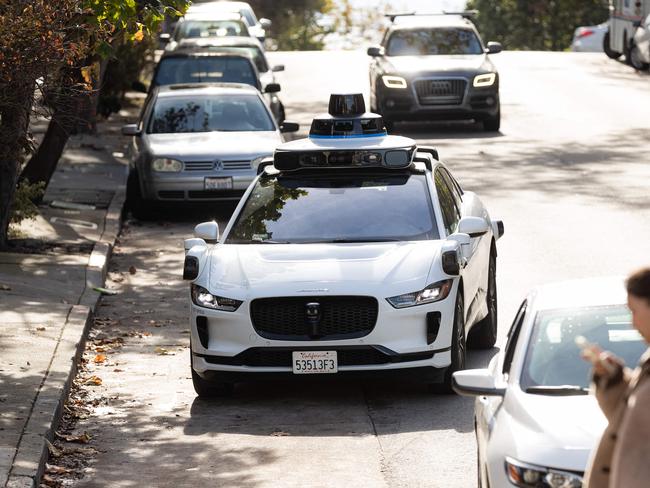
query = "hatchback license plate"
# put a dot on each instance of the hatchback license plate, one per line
(218, 183)
(314, 362)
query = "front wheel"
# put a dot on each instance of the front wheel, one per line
(458, 348)
(493, 124)
(636, 61)
(608, 49)
(140, 208)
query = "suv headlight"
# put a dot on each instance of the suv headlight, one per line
(203, 298)
(432, 293)
(166, 165)
(393, 81)
(529, 476)
(487, 79)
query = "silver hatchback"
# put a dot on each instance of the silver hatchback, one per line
(199, 142)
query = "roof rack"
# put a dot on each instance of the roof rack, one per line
(466, 14)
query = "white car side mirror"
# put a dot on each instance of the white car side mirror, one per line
(473, 226)
(476, 382)
(464, 245)
(208, 231)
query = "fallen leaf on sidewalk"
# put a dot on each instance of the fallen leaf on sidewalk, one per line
(93, 380)
(279, 433)
(54, 451)
(132, 270)
(5, 287)
(40, 329)
(118, 370)
(100, 358)
(162, 351)
(49, 482)
(82, 438)
(54, 469)
(105, 291)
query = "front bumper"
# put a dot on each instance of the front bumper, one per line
(401, 339)
(407, 105)
(189, 186)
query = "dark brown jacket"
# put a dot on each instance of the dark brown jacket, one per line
(622, 459)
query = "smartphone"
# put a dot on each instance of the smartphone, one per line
(591, 352)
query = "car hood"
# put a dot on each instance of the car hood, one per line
(415, 65)
(394, 268)
(211, 144)
(553, 431)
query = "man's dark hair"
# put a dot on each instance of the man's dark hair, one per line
(638, 284)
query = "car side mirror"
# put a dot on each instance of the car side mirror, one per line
(272, 88)
(277, 68)
(494, 47)
(208, 231)
(375, 51)
(476, 382)
(286, 127)
(164, 38)
(131, 130)
(266, 23)
(473, 226)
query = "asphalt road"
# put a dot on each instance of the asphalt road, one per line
(568, 174)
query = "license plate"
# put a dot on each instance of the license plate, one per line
(314, 362)
(218, 183)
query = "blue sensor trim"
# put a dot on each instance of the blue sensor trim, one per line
(352, 136)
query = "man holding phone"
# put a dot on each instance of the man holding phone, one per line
(622, 458)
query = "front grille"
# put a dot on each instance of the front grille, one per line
(171, 195)
(440, 91)
(282, 357)
(218, 165)
(339, 317)
(236, 165)
(199, 165)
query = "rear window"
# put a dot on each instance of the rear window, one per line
(205, 69)
(426, 42)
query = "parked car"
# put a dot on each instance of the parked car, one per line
(296, 286)
(190, 66)
(589, 39)
(434, 67)
(257, 28)
(536, 424)
(203, 25)
(246, 46)
(199, 142)
(640, 53)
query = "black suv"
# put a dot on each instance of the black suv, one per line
(434, 67)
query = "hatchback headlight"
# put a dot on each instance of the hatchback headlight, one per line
(393, 81)
(166, 165)
(203, 298)
(432, 293)
(529, 476)
(487, 79)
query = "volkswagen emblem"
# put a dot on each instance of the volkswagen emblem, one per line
(218, 165)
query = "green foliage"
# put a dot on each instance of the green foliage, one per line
(295, 22)
(535, 24)
(23, 206)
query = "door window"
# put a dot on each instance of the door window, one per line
(450, 212)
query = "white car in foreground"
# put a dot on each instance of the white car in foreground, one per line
(356, 252)
(536, 423)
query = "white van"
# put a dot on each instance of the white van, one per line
(640, 54)
(625, 16)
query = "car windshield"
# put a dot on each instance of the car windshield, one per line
(210, 28)
(425, 42)
(253, 52)
(553, 358)
(338, 208)
(210, 113)
(205, 69)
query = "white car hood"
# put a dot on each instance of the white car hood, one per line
(553, 431)
(288, 269)
(211, 144)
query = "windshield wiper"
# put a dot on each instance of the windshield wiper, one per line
(562, 390)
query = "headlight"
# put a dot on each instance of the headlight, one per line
(432, 293)
(256, 162)
(393, 81)
(203, 298)
(487, 79)
(165, 165)
(530, 476)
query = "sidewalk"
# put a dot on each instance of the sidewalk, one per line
(47, 296)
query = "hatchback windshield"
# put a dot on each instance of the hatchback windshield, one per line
(424, 42)
(351, 208)
(253, 52)
(553, 358)
(205, 69)
(210, 28)
(210, 113)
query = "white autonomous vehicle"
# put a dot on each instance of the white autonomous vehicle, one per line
(352, 252)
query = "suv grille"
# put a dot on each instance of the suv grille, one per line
(440, 91)
(286, 318)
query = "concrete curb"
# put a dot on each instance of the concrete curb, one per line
(32, 453)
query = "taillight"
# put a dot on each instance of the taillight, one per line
(584, 32)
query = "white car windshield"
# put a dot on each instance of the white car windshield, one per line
(553, 358)
(357, 207)
(210, 113)
(210, 28)
(426, 42)
(205, 69)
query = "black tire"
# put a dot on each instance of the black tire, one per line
(611, 54)
(627, 49)
(140, 208)
(207, 389)
(484, 334)
(493, 124)
(635, 58)
(458, 348)
(389, 124)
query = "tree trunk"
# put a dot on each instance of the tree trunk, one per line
(14, 124)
